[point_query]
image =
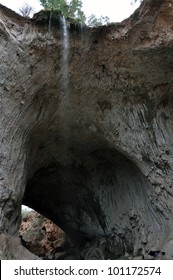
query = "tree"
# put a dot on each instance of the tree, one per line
(72, 9)
(52, 4)
(75, 10)
(26, 10)
(93, 21)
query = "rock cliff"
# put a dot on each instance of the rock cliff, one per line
(87, 129)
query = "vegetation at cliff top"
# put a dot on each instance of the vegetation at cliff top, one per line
(71, 9)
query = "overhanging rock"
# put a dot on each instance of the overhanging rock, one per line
(87, 128)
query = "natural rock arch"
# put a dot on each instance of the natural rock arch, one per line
(106, 195)
(91, 149)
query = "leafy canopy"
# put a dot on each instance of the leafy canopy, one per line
(71, 9)
(93, 21)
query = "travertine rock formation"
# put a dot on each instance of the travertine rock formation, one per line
(87, 129)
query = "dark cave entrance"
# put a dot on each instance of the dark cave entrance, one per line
(100, 194)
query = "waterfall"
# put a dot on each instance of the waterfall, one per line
(82, 31)
(65, 54)
(65, 96)
(50, 20)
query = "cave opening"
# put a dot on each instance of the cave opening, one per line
(43, 238)
(97, 196)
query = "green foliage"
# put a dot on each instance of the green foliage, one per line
(72, 9)
(52, 4)
(75, 10)
(93, 21)
(55, 5)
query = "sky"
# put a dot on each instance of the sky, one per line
(116, 10)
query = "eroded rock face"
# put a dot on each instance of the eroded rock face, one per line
(86, 129)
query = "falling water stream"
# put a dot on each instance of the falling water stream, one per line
(64, 106)
(50, 20)
(65, 55)
(65, 91)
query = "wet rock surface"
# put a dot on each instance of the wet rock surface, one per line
(86, 133)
